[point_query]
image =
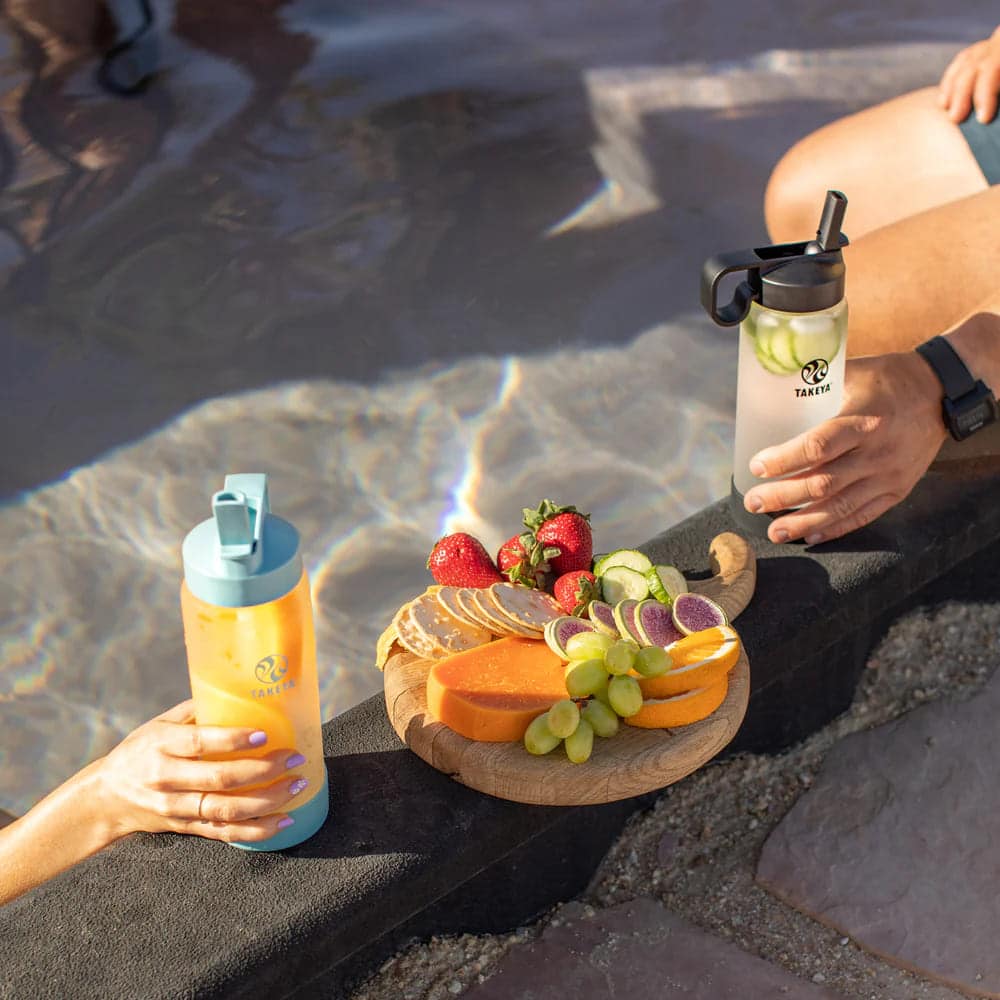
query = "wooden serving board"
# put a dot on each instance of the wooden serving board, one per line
(631, 763)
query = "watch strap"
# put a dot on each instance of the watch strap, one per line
(950, 369)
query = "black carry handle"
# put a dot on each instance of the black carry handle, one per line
(829, 239)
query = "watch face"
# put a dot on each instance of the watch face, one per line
(968, 415)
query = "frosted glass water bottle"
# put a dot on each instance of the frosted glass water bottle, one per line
(251, 649)
(793, 340)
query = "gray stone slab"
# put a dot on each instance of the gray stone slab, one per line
(897, 844)
(638, 950)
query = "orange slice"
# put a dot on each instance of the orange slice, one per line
(700, 660)
(681, 709)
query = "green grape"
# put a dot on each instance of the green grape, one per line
(620, 658)
(580, 742)
(538, 738)
(652, 661)
(602, 719)
(588, 645)
(585, 677)
(625, 695)
(601, 694)
(564, 717)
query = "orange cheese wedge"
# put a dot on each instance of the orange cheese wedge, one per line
(491, 693)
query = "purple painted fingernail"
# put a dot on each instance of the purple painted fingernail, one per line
(284, 824)
(258, 739)
(781, 535)
(297, 785)
(814, 539)
(296, 760)
(755, 505)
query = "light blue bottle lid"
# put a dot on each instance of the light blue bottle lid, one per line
(243, 554)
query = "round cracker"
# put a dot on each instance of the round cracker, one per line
(501, 623)
(528, 607)
(448, 599)
(446, 632)
(466, 598)
(410, 636)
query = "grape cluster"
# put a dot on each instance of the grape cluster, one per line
(602, 686)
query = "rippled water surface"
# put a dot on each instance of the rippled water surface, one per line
(424, 264)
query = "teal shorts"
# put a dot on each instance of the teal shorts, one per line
(984, 141)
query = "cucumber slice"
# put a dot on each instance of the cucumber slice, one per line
(763, 356)
(814, 337)
(632, 558)
(666, 583)
(781, 349)
(621, 582)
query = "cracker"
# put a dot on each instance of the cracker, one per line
(525, 606)
(466, 600)
(410, 636)
(501, 624)
(448, 599)
(447, 633)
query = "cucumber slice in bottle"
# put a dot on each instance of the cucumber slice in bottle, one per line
(764, 357)
(814, 337)
(620, 582)
(632, 558)
(666, 583)
(781, 348)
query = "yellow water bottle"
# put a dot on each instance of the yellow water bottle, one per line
(251, 648)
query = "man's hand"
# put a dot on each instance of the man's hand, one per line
(972, 80)
(847, 471)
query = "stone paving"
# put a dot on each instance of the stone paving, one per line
(896, 845)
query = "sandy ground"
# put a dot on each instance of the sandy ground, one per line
(696, 850)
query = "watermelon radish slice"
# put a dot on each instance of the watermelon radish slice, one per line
(655, 623)
(602, 617)
(559, 630)
(694, 612)
(625, 619)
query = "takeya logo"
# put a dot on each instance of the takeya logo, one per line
(270, 671)
(813, 372)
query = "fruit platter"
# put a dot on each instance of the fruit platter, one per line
(554, 677)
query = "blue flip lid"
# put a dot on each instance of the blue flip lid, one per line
(243, 554)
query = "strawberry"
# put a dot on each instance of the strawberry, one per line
(564, 528)
(575, 590)
(524, 560)
(459, 560)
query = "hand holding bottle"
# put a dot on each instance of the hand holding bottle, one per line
(154, 781)
(850, 469)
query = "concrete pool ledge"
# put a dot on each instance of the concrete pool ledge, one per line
(408, 852)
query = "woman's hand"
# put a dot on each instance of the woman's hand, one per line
(154, 781)
(849, 470)
(972, 80)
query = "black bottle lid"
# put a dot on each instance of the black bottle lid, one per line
(791, 277)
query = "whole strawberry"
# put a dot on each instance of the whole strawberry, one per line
(459, 560)
(523, 559)
(575, 590)
(564, 528)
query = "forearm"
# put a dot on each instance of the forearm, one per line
(66, 826)
(977, 341)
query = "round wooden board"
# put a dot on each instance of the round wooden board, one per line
(633, 762)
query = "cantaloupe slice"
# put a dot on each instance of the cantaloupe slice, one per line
(682, 709)
(491, 693)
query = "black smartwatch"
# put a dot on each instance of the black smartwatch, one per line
(968, 404)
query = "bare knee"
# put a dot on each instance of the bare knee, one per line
(793, 198)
